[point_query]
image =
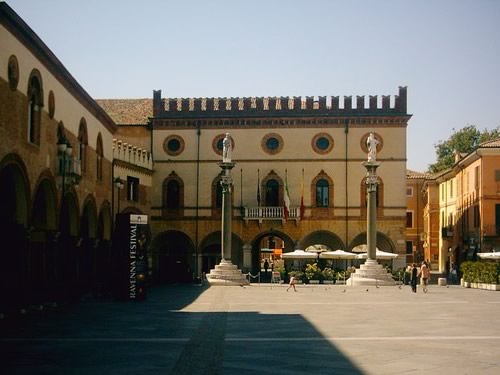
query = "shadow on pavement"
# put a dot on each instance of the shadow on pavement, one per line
(163, 335)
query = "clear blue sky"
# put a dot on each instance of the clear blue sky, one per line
(446, 51)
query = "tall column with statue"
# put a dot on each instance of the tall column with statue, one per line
(371, 272)
(226, 273)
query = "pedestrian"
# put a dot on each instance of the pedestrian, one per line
(291, 284)
(266, 265)
(414, 277)
(454, 274)
(424, 274)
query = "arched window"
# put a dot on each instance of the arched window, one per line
(218, 195)
(173, 194)
(272, 193)
(35, 97)
(82, 145)
(322, 193)
(99, 157)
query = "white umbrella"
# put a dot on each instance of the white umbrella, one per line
(337, 254)
(361, 249)
(489, 255)
(379, 255)
(299, 254)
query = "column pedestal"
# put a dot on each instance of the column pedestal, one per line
(226, 274)
(371, 273)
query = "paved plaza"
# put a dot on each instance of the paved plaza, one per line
(263, 329)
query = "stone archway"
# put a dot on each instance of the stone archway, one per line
(172, 257)
(322, 237)
(289, 245)
(15, 196)
(211, 253)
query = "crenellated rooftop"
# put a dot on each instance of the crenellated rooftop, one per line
(278, 106)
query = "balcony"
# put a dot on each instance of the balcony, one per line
(270, 213)
(447, 232)
(491, 231)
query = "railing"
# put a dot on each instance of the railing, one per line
(270, 213)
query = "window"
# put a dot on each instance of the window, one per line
(272, 193)
(272, 143)
(34, 107)
(409, 219)
(477, 177)
(322, 143)
(409, 191)
(409, 247)
(218, 194)
(13, 72)
(132, 189)
(82, 144)
(173, 145)
(451, 188)
(173, 194)
(322, 190)
(497, 175)
(99, 158)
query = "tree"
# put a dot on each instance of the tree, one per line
(465, 141)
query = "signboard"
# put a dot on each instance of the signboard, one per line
(131, 265)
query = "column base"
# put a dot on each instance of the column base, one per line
(226, 274)
(371, 273)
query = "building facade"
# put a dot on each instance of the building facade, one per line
(57, 166)
(311, 147)
(469, 205)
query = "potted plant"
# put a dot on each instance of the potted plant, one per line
(328, 275)
(313, 273)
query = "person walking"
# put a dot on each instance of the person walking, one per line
(414, 278)
(266, 266)
(424, 274)
(291, 284)
(454, 274)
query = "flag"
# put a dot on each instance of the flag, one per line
(302, 208)
(258, 189)
(286, 199)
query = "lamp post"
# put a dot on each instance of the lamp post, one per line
(65, 150)
(118, 182)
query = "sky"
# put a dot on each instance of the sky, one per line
(447, 52)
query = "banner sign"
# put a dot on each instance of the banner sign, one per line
(137, 256)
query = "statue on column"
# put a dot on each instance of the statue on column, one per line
(226, 149)
(371, 144)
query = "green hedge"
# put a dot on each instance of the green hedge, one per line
(481, 272)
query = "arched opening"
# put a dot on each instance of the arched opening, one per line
(13, 219)
(172, 257)
(261, 250)
(211, 251)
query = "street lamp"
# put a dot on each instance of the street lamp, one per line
(65, 150)
(118, 182)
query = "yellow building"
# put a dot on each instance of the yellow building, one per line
(315, 146)
(466, 198)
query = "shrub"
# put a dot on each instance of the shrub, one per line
(313, 272)
(328, 274)
(480, 272)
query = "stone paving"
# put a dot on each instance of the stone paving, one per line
(263, 329)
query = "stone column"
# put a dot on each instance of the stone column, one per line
(371, 272)
(371, 216)
(226, 183)
(226, 273)
(247, 257)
